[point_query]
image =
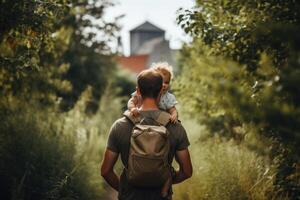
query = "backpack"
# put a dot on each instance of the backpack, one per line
(148, 164)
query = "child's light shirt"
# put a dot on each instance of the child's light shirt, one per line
(167, 100)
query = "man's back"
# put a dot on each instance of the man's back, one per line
(119, 142)
(149, 86)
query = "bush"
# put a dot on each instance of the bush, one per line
(224, 169)
(49, 155)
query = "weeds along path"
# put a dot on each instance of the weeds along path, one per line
(223, 169)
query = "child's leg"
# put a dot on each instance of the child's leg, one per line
(166, 187)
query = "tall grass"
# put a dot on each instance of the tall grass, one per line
(46, 154)
(224, 169)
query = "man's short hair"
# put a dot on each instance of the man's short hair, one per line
(149, 83)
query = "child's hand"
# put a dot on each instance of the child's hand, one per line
(135, 112)
(173, 118)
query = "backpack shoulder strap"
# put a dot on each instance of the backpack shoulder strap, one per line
(131, 118)
(163, 118)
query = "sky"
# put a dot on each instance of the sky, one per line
(161, 13)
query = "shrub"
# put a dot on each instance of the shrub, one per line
(50, 155)
(224, 169)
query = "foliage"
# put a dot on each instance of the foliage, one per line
(26, 28)
(89, 53)
(124, 84)
(50, 58)
(243, 175)
(25, 43)
(50, 48)
(230, 27)
(244, 72)
(51, 155)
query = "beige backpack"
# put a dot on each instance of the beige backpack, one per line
(149, 149)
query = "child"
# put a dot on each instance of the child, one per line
(167, 103)
(167, 100)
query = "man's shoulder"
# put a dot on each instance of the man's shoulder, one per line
(179, 134)
(121, 126)
(176, 126)
(123, 121)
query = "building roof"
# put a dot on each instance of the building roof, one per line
(135, 63)
(147, 26)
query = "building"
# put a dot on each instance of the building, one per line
(147, 45)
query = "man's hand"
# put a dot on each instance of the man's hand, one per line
(107, 169)
(185, 166)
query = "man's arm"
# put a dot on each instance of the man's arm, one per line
(185, 166)
(107, 169)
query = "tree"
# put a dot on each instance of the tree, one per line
(26, 29)
(56, 48)
(42, 43)
(245, 73)
(89, 54)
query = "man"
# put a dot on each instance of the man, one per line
(149, 86)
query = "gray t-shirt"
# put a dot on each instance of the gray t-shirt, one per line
(119, 142)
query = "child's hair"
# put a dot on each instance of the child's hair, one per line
(164, 68)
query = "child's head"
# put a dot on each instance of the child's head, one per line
(166, 71)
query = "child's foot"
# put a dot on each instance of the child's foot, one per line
(164, 195)
(167, 197)
(134, 112)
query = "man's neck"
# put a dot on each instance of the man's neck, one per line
(149, 104)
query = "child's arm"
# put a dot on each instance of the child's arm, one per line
(174, 114)
(170, 104)
(132, 105)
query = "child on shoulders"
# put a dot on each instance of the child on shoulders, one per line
(167, 100)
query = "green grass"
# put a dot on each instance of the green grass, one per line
(46, 154)
(224, 169)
